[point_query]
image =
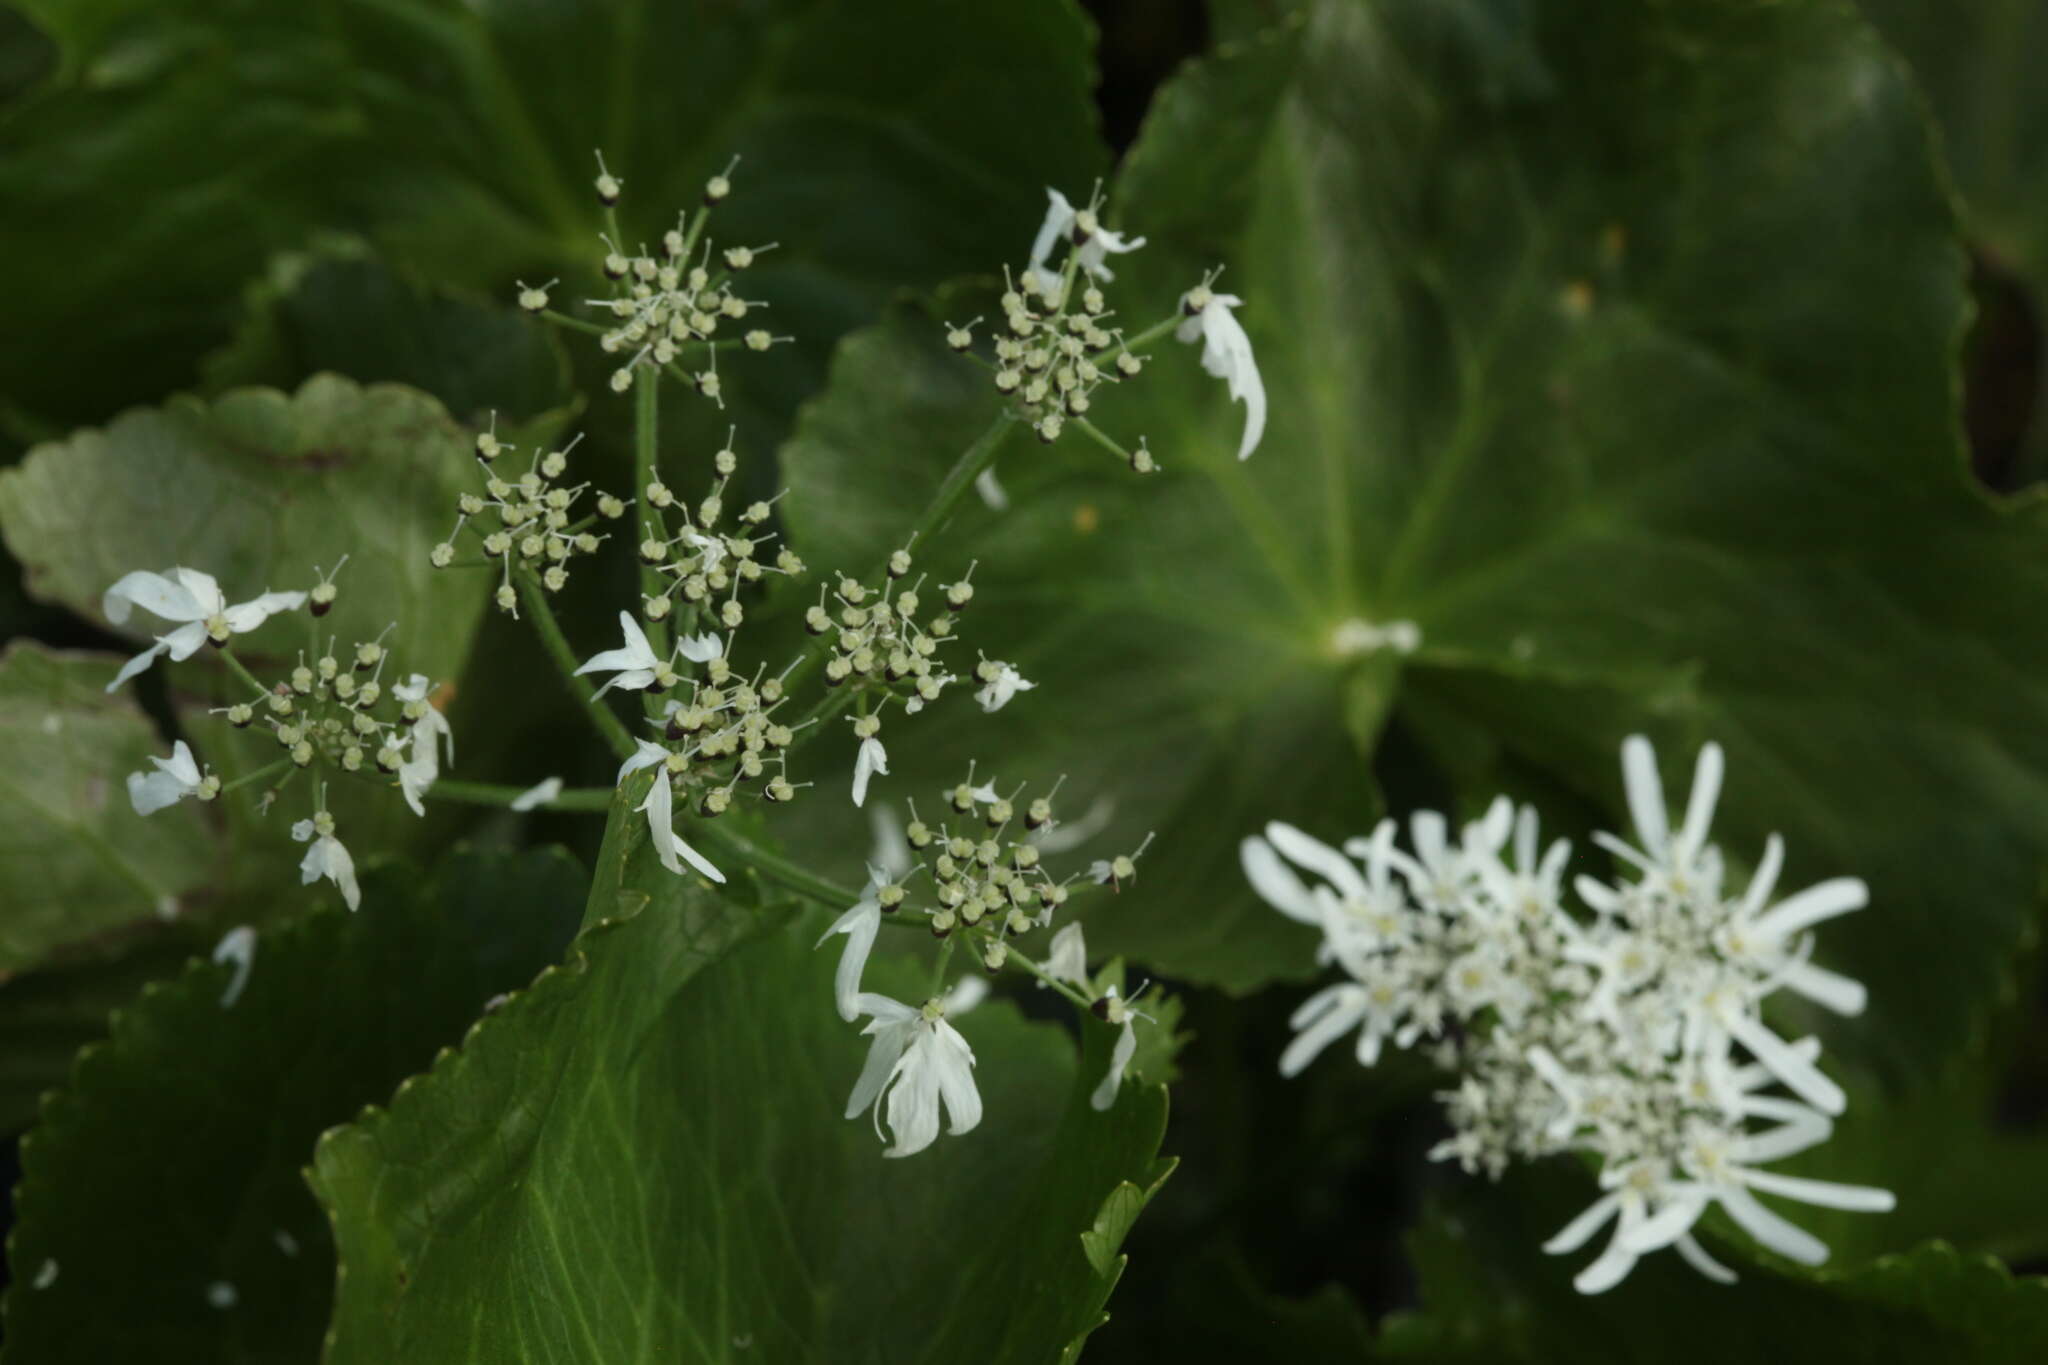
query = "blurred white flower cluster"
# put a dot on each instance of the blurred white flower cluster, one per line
(1631, 1031)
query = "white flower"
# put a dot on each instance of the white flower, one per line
(1120, 1014)
(860, 925)
(648, 754)
(996, 693)
(1767, 937)
(175, 778)
(1630, 1189)
(634, 665)
(872, 759)
(700, 649)
(660, 808)
(194, 600)
(539, 794)
(991, 491)
(430, 734)
(1720, 1163)
(1069, 958)
(238, 946)
(917, 1062)
(1227, 354)
(1061, 218)
(890, 855)
(1680, 863)
(327, 858)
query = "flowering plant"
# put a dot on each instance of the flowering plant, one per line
(669, 754)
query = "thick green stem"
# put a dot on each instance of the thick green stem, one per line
(494, 794)
(542, 616)
(964, 472)
(773, 866)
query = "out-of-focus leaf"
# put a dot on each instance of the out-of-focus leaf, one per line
(643, 1157)
(352, 314)
(182, 143)
(76, 859)
(205, 1115)
(1612, 348)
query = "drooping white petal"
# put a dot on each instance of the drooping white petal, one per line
(139, 664)
(326, 857)
(540, 793)
(860, 925)
(1696, 1256)
(185, 641)
(648, 754)
(237, 946)
(1322, 1019)
(205, 592)
(1059, 217)
(1227, 354)
(890, 1026)
(1119, 1058)
(1068, 960)
(871, 759)
(1580, 1230)
(1789, 1240)
(633, 661)
(174, 779)
(953, 1067)
(659, 805)
(890, 854)
(1682, 1209)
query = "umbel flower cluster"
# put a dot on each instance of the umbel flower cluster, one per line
(1060, 341)
(976, 878)
(525, 523)
(1631, 1031)
(333, 712)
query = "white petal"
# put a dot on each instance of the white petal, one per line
(246, 616)
(154, 593)
(1645, 790)
(1787, 1239)
(1580, 1230)
(341, 869)
(1837, 896)
(1839, 993)
(1119, 1058)
(872, 759)
(953, 1069)
(860, 925)
(185, 641)
(875, 1071)
(150, 794)
(1319, 858)
(205, 592)
(1766, 878)
(1669, 1223)
(890, 853)
(659, 807)
(540, 793)
(1706, 792)
(965, 994)
(1323, 1018)
(238, 946)
(1696, 1256)
(1059, 216)
(1069, 956)
(140, 663)
(635, 654)
(1227, 354)
(648, 754)
(913, 1097)
(1798, 1073)
(1609, 1270)
(697, 860)
(1825, 1194)
(991, 491)
(700, 649)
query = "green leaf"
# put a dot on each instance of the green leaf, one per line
(1615, 350)
(341, 310)
(1488, 1293)
(173, 1162)
(77, 860)
(643, 1158)
(1973, 58)
(882, 146)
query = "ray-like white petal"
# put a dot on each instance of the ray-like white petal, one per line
(1119, 1058)
(860, 925)
(154, 593)
(871, 759)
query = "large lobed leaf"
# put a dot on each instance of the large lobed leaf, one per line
(76, 859)
(1612, 347)
(642, 1158)
(167, 1177)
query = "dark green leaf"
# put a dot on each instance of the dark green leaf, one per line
(643, 1158)
(172, 1165)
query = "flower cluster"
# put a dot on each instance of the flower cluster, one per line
(1060, 342)
(713, 550)
(1632, 1031)
(978, 877)
(334, 711)
(668, 304)
(526, 524)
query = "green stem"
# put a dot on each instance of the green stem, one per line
(939, 967)
(646, 434)
(1152, 333)
(262, 773)
(964, 472)
(1047, 978)
(773, 866)
(495, 794)
(574, 324)
(241, 671)
(1102, 438)
(557, 645)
